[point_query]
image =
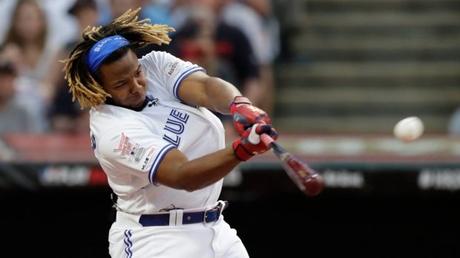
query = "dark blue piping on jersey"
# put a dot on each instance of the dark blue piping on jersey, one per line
(157, 161)
(182, 77)
(128, 243)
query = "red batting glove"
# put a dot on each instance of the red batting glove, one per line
(250, 144)
(245, 114)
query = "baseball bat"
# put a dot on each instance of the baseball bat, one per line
(306, 178)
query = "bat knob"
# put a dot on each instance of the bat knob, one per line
(314, 184)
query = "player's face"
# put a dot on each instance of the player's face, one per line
(125, 81)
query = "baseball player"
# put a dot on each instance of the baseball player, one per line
(161, 147)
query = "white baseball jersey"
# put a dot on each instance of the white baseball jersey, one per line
(130, 145)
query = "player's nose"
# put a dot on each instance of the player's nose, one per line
(136, 86)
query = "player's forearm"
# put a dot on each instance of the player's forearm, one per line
(220, 94)
(204, 171)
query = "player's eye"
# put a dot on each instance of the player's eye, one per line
(119, 85)
(138, 72)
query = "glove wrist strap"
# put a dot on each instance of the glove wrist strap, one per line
(240, 100)
(240, 152)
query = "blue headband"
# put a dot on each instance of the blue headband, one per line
(102, 49)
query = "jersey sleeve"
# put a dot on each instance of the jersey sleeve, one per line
(169, 70)
(134, 150)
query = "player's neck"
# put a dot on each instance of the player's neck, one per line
(110, 101)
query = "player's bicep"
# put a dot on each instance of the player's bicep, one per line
(192, 90)
(169, 170)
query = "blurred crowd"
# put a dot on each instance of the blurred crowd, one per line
(237, 40)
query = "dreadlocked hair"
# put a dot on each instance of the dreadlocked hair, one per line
(83, 85)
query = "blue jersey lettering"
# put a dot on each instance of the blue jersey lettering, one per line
(175, 126)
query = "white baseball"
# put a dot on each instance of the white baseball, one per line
(409, 129)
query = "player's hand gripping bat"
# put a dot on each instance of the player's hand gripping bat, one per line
(306, 178)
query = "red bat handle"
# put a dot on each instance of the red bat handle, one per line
(266, 139)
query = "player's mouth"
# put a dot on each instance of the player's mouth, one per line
(137, 100)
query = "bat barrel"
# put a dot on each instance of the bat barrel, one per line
(306, 178)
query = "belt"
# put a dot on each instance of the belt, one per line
(178, 216)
